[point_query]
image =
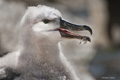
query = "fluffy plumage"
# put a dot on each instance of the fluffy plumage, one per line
(39, 56)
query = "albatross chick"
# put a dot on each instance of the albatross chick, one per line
(39, 56)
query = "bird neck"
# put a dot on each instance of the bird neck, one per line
(39, 45)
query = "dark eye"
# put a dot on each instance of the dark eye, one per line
(46, 21)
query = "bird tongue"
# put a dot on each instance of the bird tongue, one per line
(66, 33)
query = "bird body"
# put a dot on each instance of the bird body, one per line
(40, 56)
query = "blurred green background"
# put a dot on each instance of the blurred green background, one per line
(98, 60)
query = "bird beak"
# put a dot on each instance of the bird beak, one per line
(66, 26)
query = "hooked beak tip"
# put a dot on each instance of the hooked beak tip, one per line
(85, 38)
(88, 28)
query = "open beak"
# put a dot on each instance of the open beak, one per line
(66, 26)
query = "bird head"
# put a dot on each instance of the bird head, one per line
(48, 22)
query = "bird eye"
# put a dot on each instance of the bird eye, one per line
(46, 21)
